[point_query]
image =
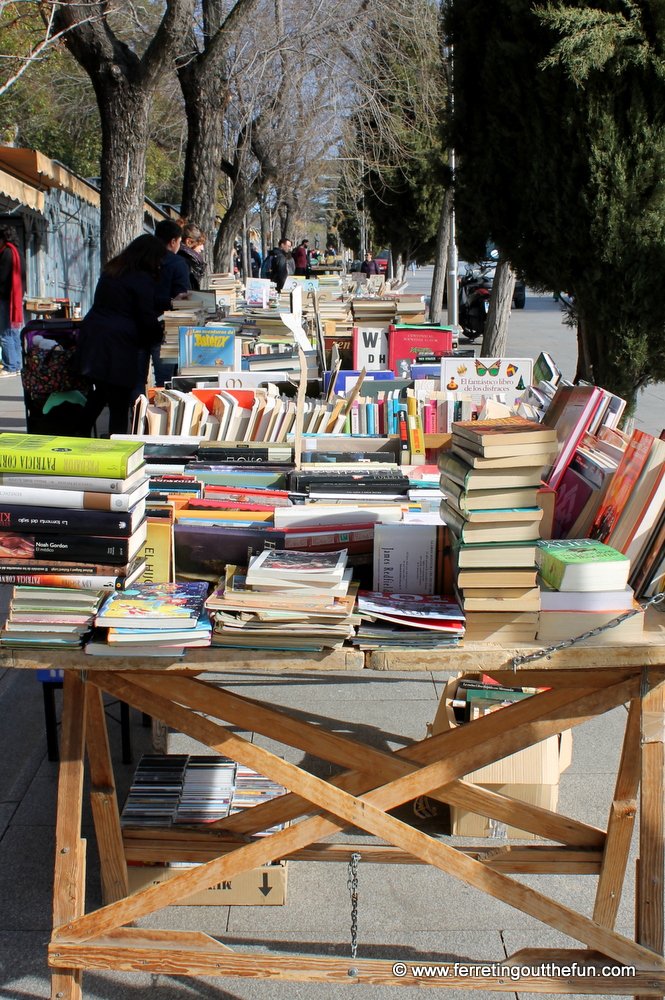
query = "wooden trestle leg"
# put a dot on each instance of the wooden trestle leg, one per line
(104, 801)
(69, 884)
(620, 824)
(650, 897)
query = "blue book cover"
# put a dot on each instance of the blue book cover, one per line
(206, 346)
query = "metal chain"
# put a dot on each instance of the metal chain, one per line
(352, 886)
(519, 661)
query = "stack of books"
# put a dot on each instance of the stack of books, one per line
(490, 481)
(50, 617)
(476, 698)
(154, 794)
(286, 600)
(152, 619)
(72, 511)
(584, 585)
(407, 621)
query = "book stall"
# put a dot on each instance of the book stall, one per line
(304, 498)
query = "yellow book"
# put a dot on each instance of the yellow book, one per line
(158, 551)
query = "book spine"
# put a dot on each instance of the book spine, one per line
(30, 461)
(71, 581)
(550, 568)
(452, 490)
(48, 520)
(70, 499)
(114, 551)
(91, 484)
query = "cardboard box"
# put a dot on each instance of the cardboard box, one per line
(467, 824)
(264, 886)
(540, 764)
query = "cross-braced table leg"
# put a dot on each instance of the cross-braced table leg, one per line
(384, 780)
(650, 898)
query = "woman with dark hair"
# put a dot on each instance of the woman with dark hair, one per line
(12, 286)
(193, 241)
(123, 319)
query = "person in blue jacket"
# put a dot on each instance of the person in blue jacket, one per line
(123, 321)
(174, 283)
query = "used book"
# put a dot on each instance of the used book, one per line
(41, 454)
(86, 548)
(581, 564)
(155, 605)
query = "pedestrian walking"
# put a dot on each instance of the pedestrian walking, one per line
(256, 261)
(301, 259)
(12, 286)
(282, 260)
(369, 265)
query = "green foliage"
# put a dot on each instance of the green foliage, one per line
(560, 130)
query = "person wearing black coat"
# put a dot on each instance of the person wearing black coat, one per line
(122, 321)
(281, 257)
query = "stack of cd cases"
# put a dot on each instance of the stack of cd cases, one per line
(183, 789)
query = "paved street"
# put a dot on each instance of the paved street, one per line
(539, 327)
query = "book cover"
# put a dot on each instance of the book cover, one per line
(41, 454)
(582, 564)
(405, 558)
(320, 567)
(503, 430)
(571, 496)
(407, 342)
(628, 472)
(206, 347)
(570, 414)
(370, 348)
(160, 605)
(49, 520)
(487, 376)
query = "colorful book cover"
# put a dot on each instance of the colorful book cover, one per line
(411, 341)
(206, 347)
(627, 474)
(570, 413)
(41, 454)
(167, 605)
(554, 556)
(571, 496)
(483, 376)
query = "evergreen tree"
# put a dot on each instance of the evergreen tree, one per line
(560, 129)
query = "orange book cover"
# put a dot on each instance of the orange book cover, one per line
(627, 474)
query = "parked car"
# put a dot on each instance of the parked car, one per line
(382, 260)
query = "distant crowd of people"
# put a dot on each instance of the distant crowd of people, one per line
(283, 260)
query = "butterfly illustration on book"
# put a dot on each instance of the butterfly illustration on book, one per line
(490, 369)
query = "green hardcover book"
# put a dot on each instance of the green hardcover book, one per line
(581, 564)
(41, 454)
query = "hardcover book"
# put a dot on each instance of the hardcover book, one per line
(41, 454)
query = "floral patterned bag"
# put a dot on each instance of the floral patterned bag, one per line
(54, 370)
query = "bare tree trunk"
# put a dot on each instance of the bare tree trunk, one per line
(584, 363)
(124, 116)
(441, 262)
(124, 85)
(205, 95)
(495, 337)
(229, 227)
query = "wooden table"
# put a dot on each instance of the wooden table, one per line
(584, 682)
